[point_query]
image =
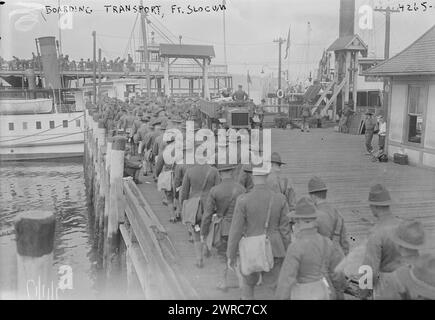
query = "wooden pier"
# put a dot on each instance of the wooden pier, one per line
(147, 257)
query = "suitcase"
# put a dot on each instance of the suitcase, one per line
(400, 158)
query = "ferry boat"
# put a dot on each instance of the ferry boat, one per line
(49, 126)
(41, 119)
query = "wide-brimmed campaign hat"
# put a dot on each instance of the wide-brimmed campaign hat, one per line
(276, 158)
(305, 208)
(316, 184)
(379, 195)
(420, 277)
(410, 235)
(156, 122)
(226, 167)
(256, 170)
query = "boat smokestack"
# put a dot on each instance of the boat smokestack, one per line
(347, 18)
(50, 65)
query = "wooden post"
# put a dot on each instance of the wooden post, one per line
(166, 75)
(35, 241)
(347, 74)
(206, 63)
(355, 80)
(99, 200)
(115, 193)
(104, 218)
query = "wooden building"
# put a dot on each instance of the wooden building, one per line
(411, 111)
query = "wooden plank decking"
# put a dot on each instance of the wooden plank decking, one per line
(339, 159)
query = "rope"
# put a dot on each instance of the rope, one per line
(131, 35)
(32, 135)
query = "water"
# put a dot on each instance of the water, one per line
(56, 186)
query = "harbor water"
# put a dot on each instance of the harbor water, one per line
(59, 187)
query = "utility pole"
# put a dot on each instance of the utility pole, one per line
(145, 48)
(94, 66)
(99, 76)
(280, 41)
(225, 36)
(388, 11)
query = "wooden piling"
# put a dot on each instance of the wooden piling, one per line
(35, 242)
(115, 194)
(100, 176)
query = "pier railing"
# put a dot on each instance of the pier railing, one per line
(137, 253)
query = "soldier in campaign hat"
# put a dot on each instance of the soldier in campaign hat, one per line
(302, 276)
(279, 183)
(381, 254)
(197, 182)
(330, 222)
(410, 239)
(218, 214)
(249, 219)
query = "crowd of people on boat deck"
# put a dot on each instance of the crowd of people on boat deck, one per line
(293, 245)
(66, 64)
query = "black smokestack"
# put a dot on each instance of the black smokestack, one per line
(347, 18)
(50, 65)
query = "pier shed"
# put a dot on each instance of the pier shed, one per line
(411, 116)
(201, 54)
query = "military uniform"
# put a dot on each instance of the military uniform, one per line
(331, 225)
(218, 202)
(193, 181)
(249, 220)
(218, 214)
(280, 184)
(305, 263)
(370, 124)
(240, 95)
(162, 165)
(283, 186)
(243, 178)
(308, 269)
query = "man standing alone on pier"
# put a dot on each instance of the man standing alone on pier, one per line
(370, 124)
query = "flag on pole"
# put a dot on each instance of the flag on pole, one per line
(288, 44)
(249, 78)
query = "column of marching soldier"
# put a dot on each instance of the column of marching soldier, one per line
(226, 203)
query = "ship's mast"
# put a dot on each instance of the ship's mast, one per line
(60, 30)
(145, 49)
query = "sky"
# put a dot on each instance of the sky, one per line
(251, 26)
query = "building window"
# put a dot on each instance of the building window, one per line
(24, 125)
(11, 126)
(65, 123)
(416, 106)
(52, 124)
(77, 123)
(38, 125)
